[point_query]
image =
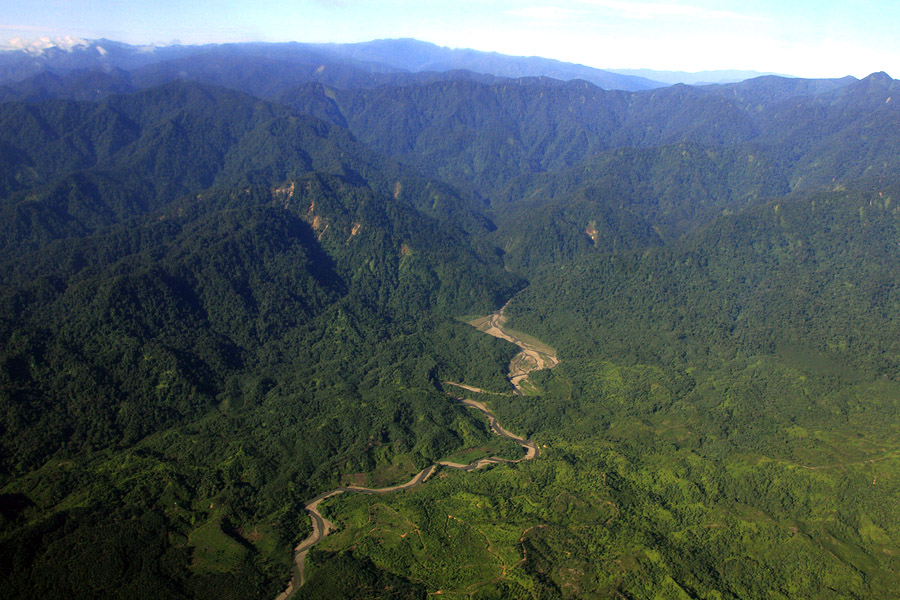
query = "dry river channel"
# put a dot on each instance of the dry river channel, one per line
(533, 357)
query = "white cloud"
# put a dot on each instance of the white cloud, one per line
(36, 46)
(545, 13)
(655, 10)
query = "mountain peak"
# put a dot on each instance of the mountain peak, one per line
(879, 77)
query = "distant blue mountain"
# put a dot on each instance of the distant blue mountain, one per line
(416, 56)
(357, 62)
(695, 78)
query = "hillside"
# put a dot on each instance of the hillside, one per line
(237, 278)
(170, 286)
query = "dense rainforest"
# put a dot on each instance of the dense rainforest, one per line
(233, 279)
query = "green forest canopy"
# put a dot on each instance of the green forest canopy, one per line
(215, 306)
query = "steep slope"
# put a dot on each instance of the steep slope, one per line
(674, 188)
(86, 84)
(486, 134)
(215, 306)
(759, 93)
(212, 310)
(841, 137)
(785, 271)
(92, 164)
(742, 380)
(806, 133)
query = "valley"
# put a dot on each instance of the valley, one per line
(321, 526)
(232, 347)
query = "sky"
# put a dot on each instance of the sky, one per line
(805, 38)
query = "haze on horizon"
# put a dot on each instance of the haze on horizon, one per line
(803, 38)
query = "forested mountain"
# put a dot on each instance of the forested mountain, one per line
(235, 277)
(488, 133)
(536, 126)
(96, 163)
(416, 56)
(258, 65)
(165, 250)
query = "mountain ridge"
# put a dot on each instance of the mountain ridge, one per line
(380, 56)
(232, 280)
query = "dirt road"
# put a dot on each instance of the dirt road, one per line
(534, 356)
(322, 526)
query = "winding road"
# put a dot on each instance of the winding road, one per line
(536, 356)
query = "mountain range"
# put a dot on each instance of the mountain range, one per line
(234, 277)
(394, 56)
